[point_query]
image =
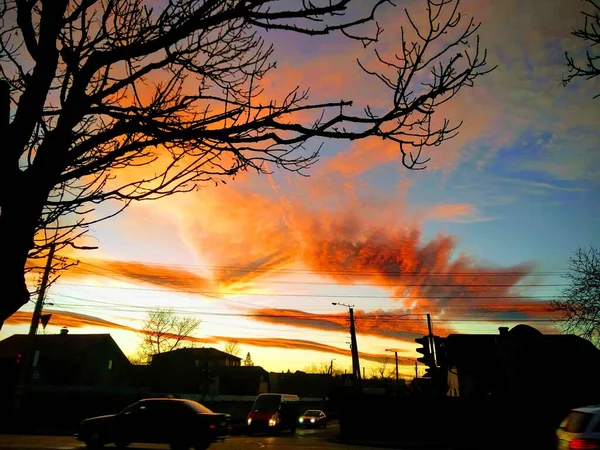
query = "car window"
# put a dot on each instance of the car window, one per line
(312, 413)
(267, 403)
(577, 421)
(597, 426)
(198, 408)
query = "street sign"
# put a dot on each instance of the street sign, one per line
(348, 381)
(37, 373)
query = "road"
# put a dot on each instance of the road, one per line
(304, 440)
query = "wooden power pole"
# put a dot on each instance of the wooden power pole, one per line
(35, 320)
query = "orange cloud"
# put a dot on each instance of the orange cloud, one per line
(75, 320)
(299, 344)
(385, 324)
(67, 319)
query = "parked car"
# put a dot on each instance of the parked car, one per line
(272, 413)
(580, 430)
(180, 423)
(313, 418)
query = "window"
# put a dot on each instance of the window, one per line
(110, 364)
(577, 421)
(597, 427)
(197, 407)
(267, 403)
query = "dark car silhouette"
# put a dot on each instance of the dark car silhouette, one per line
(313, 418)
(180, 423)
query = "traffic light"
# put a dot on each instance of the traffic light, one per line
(427, 357)
(430, 372)
(440, 351)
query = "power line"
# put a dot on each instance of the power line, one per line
(324, 317)
(335, 272)
(272, 294)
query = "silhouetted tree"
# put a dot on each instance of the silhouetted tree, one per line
(233, 348)
(164, 331)
(590, 34)
(382, 370)
(248, 361)
(112, 101)
(579, 302)
(322, 368)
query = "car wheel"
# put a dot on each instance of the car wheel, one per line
(179, 446)
(95, 441)
(202, 446)
(122, 444)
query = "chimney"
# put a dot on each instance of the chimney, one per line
(503, 331)
(64, 331)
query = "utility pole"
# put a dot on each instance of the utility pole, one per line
(35, 319)
(416, 370)
(331, 367)
(395, 350)
(353, 344)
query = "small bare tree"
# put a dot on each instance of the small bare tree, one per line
(382, 370)
(590, 34)
(163, 331)
(579, 302)
(112, 101)
(232, 347)
(248, 361)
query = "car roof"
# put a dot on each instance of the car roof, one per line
(588, 409)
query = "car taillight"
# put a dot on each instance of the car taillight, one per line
(584, 444)
(212, 425)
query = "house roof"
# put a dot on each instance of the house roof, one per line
(53, 344)
(204, 352)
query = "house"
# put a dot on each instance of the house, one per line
(302, 384)
(205, 371)
(66, 359)
(195, 357)
(520, 363)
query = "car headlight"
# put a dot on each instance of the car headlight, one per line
(249, 421)
(300, 420)
(312, 420)
(273, 420)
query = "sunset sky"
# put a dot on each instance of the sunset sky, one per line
(480, 239)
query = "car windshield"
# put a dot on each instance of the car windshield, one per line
(312, 413)
(577, 421)
(267, 403)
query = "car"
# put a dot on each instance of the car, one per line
(314, 418)
(273, 413)
(178, 422)
(580, 429)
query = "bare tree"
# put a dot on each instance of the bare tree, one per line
(233, 348)
(382, 370)
(163, 331)
(579, 302)
(112, 101)
(590, 34)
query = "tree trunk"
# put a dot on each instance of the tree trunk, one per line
(18, 221)
(14, 250)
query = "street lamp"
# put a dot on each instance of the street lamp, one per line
(395, 350)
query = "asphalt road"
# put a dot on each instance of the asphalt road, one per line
(304, 440)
